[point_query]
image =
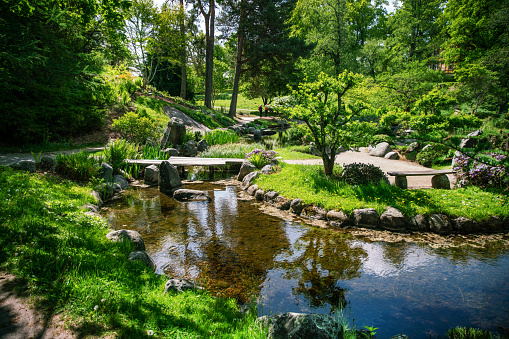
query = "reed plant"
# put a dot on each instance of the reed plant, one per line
(238, 150)
(119, 150)
(79, 166)
(221, 137)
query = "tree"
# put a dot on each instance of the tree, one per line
(476, 35)
(331, 126)
(208, 12)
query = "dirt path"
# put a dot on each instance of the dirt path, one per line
(19, 320)
(385, 165)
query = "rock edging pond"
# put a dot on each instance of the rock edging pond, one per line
(391, 219)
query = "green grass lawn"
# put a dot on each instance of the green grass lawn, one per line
(64, 262)
(309, 184)
(243, 103)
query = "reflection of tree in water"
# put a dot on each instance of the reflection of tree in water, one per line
(395, 253)
(319, 261)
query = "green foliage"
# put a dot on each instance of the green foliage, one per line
(435, 155)
(204, 116)
(79, 166)
(119, 150)
(64, 258)
(229, 151)
(149, 151)
(260, 157)
(465, 121)
(311, 185)
(468, 333)
(330, 122)
(136, 128)
(363, 174)
(52, 52)
(220, 137)
(378, 138)
(394, 118)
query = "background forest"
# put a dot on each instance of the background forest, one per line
(436, 62)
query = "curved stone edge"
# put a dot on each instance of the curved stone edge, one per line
(391, 219)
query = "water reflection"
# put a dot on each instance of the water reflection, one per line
(234, 250)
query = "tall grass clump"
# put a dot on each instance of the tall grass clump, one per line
(80, 166)
(229, 151)
(468, 333)
(119, 150)
(153, 152)
(221, 137)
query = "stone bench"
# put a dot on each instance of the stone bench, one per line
(439, 179)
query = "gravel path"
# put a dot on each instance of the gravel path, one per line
(386, 165)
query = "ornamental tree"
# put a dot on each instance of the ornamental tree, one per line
(331, 121)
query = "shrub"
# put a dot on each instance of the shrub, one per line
(382, 138)
(363, 174)
(135, 128)
(77, 166)
(467, 121)
(260, 157)
(228, 151)
(433, 155)
(220, 137)
(476, 173)
(468, 333)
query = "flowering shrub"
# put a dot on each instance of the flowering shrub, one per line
(362, 174)
(473, 172)
(260, 157)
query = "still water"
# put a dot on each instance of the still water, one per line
(234, 250)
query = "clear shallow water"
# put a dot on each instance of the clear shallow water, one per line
(234, 250)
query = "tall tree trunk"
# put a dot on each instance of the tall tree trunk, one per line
(183, 58)
(209, 54)
(209, 17)
(238, 70)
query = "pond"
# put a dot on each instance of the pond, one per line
(235, 250)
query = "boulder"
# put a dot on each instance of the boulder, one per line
(171, 152)
(47, 163)
(268, 132)
(270, 196)
(24, 165)
(440, 181)
(174, 133)
(365, 217)
(267, 169)
(257, 134)
(259, 194)
(381, 149)
(246, 168)
(464, 225)
(338, 218)
(418, 223)
(91, 208)
(191, 195)
(252, 190)
(282, 203)
(440, 224)
(151, 175)
(251, 130)
(248, 179)
(470, 141)
(412, 147)
(127, 235)
(492, 225)
(296, 206)
(169, 179)
(314, 212)
(180, 285)
(393, 220)
(189, 149)
(427, 147)
(341, 149)
(392, 156)
(301, 326)
(106, 172)
(144, 258)
(120, 181)
(202, 145)
(97, 197)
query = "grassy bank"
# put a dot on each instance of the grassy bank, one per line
(309, 184)
(64, 262)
